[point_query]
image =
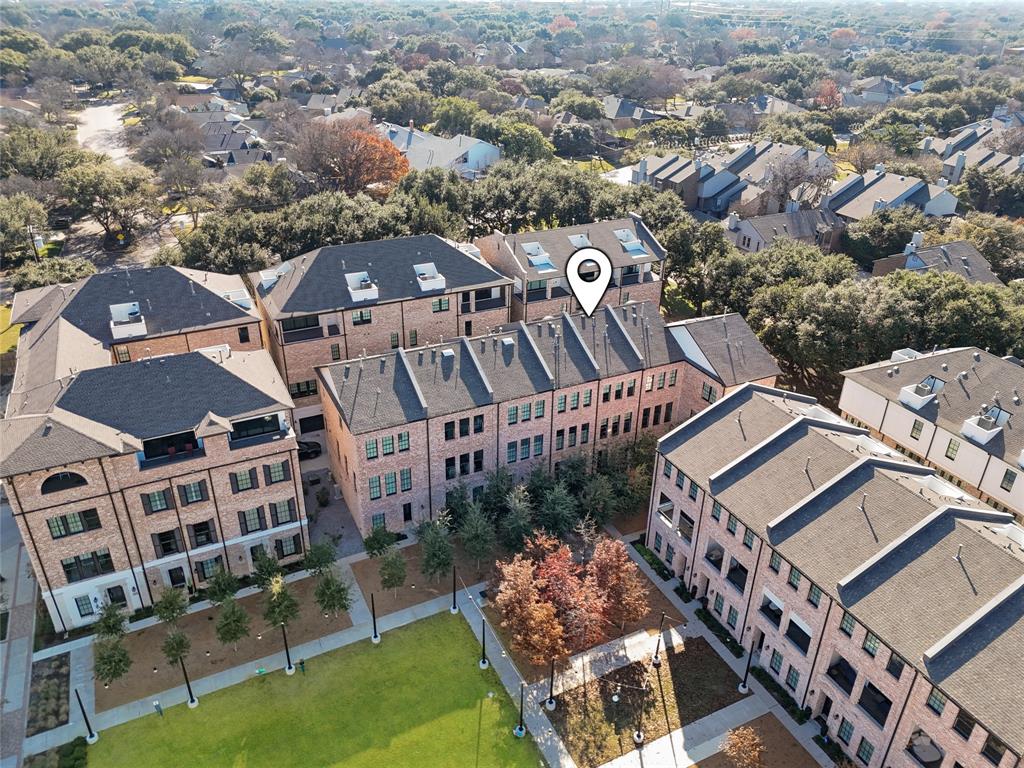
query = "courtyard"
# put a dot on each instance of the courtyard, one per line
(416, 699)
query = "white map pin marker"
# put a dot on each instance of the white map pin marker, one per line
(589, 271)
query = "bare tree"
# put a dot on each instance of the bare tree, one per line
(790, 173)
(744, 748)
(865, 155)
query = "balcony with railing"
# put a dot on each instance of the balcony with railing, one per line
(715, 555)
(170, 448)
(875, 703)
(737, 575)
(262, 429)
(772, 612)
(843, 675)
(924, 751)
(685, 526)
(303, 334)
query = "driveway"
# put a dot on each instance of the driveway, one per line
(100, 130)
(331, 523)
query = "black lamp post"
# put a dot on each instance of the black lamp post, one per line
(373, 611)
(193, 702)
(746, 672)
(638, 734)
(484, 663)
(550, 703)
(92, 736)
(455, 606)
(520, 730)
(656, 661)
(289, 669)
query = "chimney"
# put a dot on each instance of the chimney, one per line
(927, 146)
(880, 203)
(880, 168)
(942, 183)
(734, 221)
(958, 167)
(917, 239)
(642, 171)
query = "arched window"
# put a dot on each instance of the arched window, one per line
(63, 481)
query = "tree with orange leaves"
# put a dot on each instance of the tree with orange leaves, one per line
(531, 620)
(829, 96)
(349, 155)
(559, 23)
(744, 748)
(619, 581)
(842, 37)
(743, 33)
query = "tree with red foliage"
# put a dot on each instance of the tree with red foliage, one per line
(532, 621)
(575, 596)
(620, 583)
(829, 96)
(349, 155)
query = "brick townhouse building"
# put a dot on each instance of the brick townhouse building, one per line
(878, 594)
(130, 468)
(536, 261)
(405, 428)
(952, 409)
(342, 301)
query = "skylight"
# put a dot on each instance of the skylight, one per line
(579, 241)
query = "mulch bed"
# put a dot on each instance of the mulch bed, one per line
(49, 694)
(781, 749)
(693, 682)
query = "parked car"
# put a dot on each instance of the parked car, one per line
(309, 449)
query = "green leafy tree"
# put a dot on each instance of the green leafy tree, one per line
(110, 660)
(712, 122)
(332, 594)
(265, 569)
(598, 499)
(392, 569)
(170, 606)
(517, 523)
(557, 512)
(56, 269)
(437, 548)
(111, 622)
(263, 186)
(477, 534)
(221, 587)
(378, 541)
(883, 233)
(319, 558)
(281, 606)
(20, 218)
(116, 196)
(578, 103)
(232, 623)
(454, 115)
(176, 647)
(574, 138)
(497, 485)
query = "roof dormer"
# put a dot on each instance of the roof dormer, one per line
(428, 277)
(917, 396)
(361, 287)
(986, 425)
(127, 321)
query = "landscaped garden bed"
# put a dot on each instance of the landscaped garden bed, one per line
(781, 750)
(71, 755)
(781, 695)
(653, 560)
(49, 694)
(719, 631)
(693, 682)
(417, 699)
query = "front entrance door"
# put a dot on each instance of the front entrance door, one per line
(116, 596)
(826, 708)
(177, 577)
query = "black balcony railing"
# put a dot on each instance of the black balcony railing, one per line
(875, 703)
(266, 437)
(773, 614)
(737, 576)
(170, 458)
(843, 675)
(304, 334)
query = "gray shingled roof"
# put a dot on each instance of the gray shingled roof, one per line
(960, 399)
(374, 393)
(960, 257)
(316, 280)
(795, 224)
(731, 347)
(28, 443)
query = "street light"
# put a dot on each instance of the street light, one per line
(656, 661)
(520, 730)
(92, 736)
(289, 669)
(373, 611)
(750, 657)
(638, 734)
(455, 606)
(193, 702)
(484, 663)
(550, 703)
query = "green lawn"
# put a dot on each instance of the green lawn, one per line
(417, 699)
(8, 332)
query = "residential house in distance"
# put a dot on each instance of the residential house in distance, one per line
(469, 157)
(342, 301)
(625, 113)
(858, 196)
(952, 409)
(967, 149)
(144, 416)
(816, 227)
(876, 593)
(405, 428)
(872, 90)
(536, 261)
(960, 257)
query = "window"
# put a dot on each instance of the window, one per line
(964, 724)
(371, 449)
(1008, 477)
(936, 701)
(478, 424)
(645, 418)
(387, 445)
(951, 448)
(649, 383)
(915, 431)
(668, 412)
(405, 478)
(538, 408)
(378, 520)
(74, 522)
(243, 481)
(157, 501)
(845, 731)
(670, 553)
(895, 666)
(81, 567)
(661, 380)
(390, 484)
(667, 470)
(693, 490)
(799, 636)
(524, 448)
(403, 442)
(615, 425)
(511, 453)
(122, 354)
(395, 341)
(513, 414)
(276, 473)
(206, 568)
(464, 427)
(525, 412)
(657, 415)
(287, 547)
(776, 662)
(657, 542)
(335, 351)
(407, 513)
(561, 404)
(732, 617)
(587, 394)
(716, 510)
(192, 492)
(574, 401)
(449, 468)
(302, 388)
(748, 539)
(62, 481)
(847, 624)
(865, 750)
(202, 534)
(794, 578)
(993, 750)
(167, 543)
(251, 520)
(440, 305)
(870, 644)
(606, 393)
(449, 430)
(362, 317)
(730, 524)
(375, 487)
(814, 595)
(708, 393)
(538, 445)
(478, 461)
(584, 434)
(680, 480)
(775, 562)
(792, 678)
(572, 437)
(464, 464)
(631, 389)
(282, 512)
(299, 323)
(84, 605)
(627, 423)
(413, 338)
(559, 439)
(719, 604)
(672, 377)
(602, 432)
